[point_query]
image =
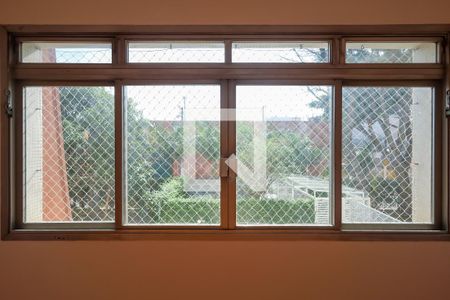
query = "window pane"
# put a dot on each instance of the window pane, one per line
(66, 53)
(176, 52)
(281, 52)
(68, 160)
(387, 155)
(173, 151)
(391, 52)
(283, 153)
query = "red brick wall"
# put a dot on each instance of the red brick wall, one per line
(55, 200)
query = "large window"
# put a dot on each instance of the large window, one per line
(123, 135)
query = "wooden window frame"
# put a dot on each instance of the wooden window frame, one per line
(88, 40)
(14, 75)
(438, 40)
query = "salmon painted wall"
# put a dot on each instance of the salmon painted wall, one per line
(258, 12)
(224, 269)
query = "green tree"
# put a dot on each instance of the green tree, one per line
(369, 111)
(88, 132)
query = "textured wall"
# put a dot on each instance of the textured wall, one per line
(220, 269)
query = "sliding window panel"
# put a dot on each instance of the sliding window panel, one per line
(391, 52)
(176, 52)
(283, 138)
(66, 52)
(68, 154)
(281, 52)
(387, 155)
(172, 154)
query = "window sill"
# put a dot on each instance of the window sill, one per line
(227, 235)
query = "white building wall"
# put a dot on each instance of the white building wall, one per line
(422, 157)
(33, 148)
(33, 154)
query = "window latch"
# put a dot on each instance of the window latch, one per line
(228, 166)
(9, 105)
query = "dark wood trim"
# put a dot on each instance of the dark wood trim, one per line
(445, 144)
(335, 51)
(120, 53)
(64, 39)
(336, 155)
(228, 51)
(5, 212)
(72, 83)
(232, 38)
(67, 226)
(226, 66)
(393, 39)
(168, 226)
(224, 139)
(437, 150)
(400, 29)
(391, 83)
(19, 195)
(118, 155)
(111, 74)
(144, 82)
(283, 82)
(231, 149)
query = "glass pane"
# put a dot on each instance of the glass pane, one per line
(173, 151)
(283, 155)
(176, 52)
(391, 52)
(68, 159)
(66, 53)
(281, 52)
(387, 155)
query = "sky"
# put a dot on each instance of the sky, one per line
(202, 102)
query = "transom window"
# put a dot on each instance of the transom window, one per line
(226, 133)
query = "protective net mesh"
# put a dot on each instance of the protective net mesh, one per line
(283, 138)
(280, 53)
(173, 154)
(176, 52)
(69, 154)
(66, 53)
(386, 146)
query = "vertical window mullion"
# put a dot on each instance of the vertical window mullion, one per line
(446, 177)
(224, 137)
(119, 146)
(341, 51)
(18, 157)
(438, 158)
(336, 182)
(120, 51)
(232, 216)
(336, 51)
(228, 51)
(5, 135)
